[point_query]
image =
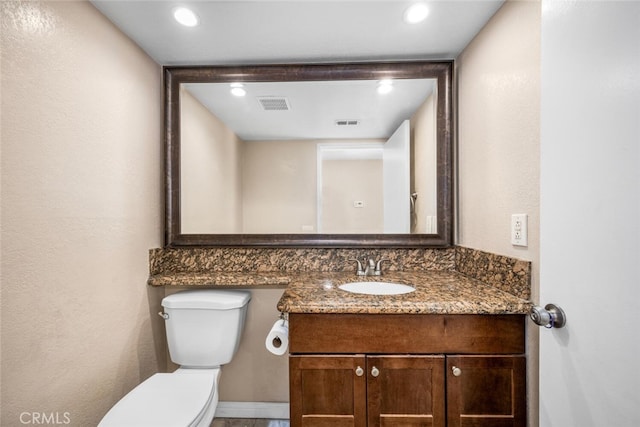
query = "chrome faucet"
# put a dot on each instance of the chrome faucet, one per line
(372, 268)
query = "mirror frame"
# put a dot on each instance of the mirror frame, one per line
(441, 70)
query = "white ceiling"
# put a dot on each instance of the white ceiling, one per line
(301, 31)
(314, 108)
(249, 32)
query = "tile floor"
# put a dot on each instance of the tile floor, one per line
(248, 422)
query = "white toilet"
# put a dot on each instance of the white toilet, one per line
(203, 333)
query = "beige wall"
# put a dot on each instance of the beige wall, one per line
(498, 85)
(254, 374)
(81, 196)
(423, 162)
(211, 156)
(278, 186)
(346, 181)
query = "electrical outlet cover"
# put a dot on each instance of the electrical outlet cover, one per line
(519, 235)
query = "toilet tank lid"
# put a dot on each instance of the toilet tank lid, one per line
(207, 299)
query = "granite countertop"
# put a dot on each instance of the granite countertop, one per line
(437, 292)
(217, 278)
(448, 281)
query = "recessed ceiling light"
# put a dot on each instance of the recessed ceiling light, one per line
(237, 89)
(185, 17)
(385, 86)
(415, 13)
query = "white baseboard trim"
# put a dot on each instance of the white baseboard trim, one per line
(270, 410)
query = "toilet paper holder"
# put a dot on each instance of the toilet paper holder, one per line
(277, 342)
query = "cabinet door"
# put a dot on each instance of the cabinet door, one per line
(406, 391)
(327, 391)
(486, 391)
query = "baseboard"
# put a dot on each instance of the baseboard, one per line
(270, 410)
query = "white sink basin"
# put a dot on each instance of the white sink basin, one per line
(377, 288)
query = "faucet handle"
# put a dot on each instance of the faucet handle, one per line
(360, 270)
(379, 266)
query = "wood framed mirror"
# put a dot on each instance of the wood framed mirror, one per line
(235, 193)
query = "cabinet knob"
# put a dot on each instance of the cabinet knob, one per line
(359, 371)
(456, 371)
(375, 372)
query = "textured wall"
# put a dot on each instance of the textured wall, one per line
(81, 197)
(423, 140)
(345, 181)
(498, 77)
(254, 374)
(210, 176)
(278, 186)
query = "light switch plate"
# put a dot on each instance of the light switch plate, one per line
(519, 235)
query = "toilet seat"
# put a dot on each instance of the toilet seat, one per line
(181, 398)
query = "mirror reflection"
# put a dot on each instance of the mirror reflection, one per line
(308, 157)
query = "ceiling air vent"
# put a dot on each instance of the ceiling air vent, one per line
(274, 103)
(347, 122)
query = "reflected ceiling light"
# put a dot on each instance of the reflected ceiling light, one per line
(185, 17)
(385, 86)
(415, 13)
(237, 89)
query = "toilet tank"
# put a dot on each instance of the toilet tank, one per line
(204, 326)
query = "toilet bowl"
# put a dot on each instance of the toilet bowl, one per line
(203, 333)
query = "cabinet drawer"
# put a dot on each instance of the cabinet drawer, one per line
(406, 333)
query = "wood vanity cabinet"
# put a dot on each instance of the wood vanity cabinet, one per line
(407, 370)
(359, 390)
